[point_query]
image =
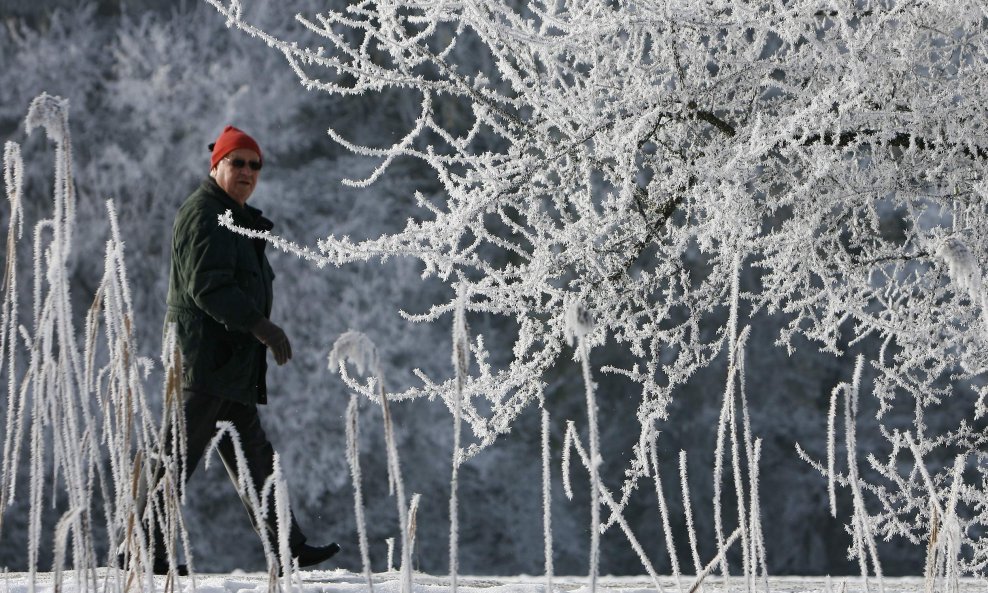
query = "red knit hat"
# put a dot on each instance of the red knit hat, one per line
(231, 139)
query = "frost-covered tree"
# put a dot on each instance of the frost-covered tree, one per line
(637, 156)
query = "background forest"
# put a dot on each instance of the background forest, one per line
(150, 83)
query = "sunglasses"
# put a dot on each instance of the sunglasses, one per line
(241, 163)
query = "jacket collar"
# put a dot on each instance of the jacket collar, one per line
(254, 217)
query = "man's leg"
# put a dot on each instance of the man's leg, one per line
(259, 455)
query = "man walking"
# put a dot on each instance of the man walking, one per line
(219, 298)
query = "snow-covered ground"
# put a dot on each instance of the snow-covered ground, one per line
(341, 581)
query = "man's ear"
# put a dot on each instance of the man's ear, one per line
(212, 172)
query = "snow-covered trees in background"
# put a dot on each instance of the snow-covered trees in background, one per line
(632, 156)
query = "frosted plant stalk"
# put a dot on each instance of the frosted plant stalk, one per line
(353, 457)
(952, 528)
(664, 511)
(61, 534)
(688, 511)
(741, 504)
(759, 557)
(461, 361)
(943, 548)
(605, 495)
(546, 502)
(716, 560)
(747, 552)
(284, 520)
(413, 511)
(578, 325)
(864, 535)
(359, 349)
(932, 549)
(565, 463)
(725, 416)
(752, 448)
(13, 181)
(245, 487)
(832, 450)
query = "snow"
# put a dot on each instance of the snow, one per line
(342, 581)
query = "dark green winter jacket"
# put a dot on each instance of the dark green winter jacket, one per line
(218, 288)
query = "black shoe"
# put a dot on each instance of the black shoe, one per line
(161, 567)
(309, 555)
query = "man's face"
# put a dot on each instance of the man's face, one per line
(238, 182)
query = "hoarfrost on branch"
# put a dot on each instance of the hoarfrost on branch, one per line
(635, 156)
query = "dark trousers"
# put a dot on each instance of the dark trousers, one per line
(202, 412)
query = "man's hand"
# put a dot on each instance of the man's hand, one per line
(274, 338)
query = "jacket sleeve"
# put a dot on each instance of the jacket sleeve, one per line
(212, 258)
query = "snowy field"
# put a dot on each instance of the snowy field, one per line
(341, 581)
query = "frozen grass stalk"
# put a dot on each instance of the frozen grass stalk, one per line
(688, 511)
(663, 510)
(952, 528)
(353, 457)
(546, 502)
(359, 349)
(461, 362)
(65, 375)
(752, 448)
(832, 450)
(245, 487)
(567, 447)
(413, 511)
(727, 412)
(13, 181)
(616, 513)
(945, 531)
(759, 557)
(717, 559)
(725, 415)
(739, 493)
(284, 521)
(578, 325)
(861, 519)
